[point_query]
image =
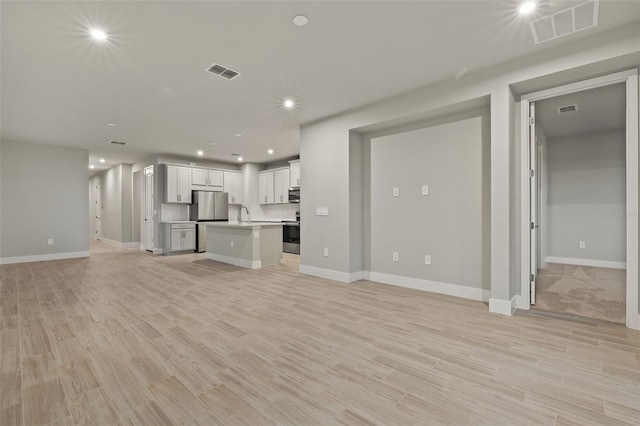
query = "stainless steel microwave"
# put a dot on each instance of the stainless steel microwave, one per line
(294, 194)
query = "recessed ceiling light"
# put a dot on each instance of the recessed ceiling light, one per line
(269, 151)
(102, 160)
(98, 34)
(111, 124)
(91, 166)
(288, 103)
(527, 7)
(238, 134)
(300, 20)
(239, 158)
(200, 152)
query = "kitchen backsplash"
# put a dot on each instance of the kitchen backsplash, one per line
(169, 212)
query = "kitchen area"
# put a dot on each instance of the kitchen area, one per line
(246, 217)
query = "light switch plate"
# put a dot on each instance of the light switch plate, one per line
(50, 241)
(256, 234)
(425, 189)
(582, 244)
(322, 211)
(326, 252)
(232, 243)
(396, 191)
(427, 259)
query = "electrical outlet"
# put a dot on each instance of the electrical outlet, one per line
(50, 241)
(395, 256)
(427, 259)
(326, 252)
(396, 191)
(425, 189)
(582, 244)
(232, 243)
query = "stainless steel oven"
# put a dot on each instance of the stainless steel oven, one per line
(291, 236)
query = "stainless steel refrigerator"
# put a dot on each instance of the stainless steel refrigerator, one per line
(207, 206)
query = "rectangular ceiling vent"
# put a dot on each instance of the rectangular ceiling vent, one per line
(567, 108)
(225, 72)
(565, 22)
(117, 143)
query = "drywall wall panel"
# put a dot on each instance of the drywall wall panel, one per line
(44, 196)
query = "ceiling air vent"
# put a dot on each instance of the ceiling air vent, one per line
(565, 22)
(117, 143)
(567, 108)
(225, 72)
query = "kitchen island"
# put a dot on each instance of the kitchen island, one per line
(248, 244)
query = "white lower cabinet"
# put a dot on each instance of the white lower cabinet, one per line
(180, 237)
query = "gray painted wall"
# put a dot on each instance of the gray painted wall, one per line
(44, 195)
(448, 223)
(586, 196)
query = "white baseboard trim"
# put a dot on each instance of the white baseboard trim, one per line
(432, 286)
(635, 325)
(357, 276)
(504, 307)
(43, 257)
(587, 262)
(141, 247)
(521, 303)
(249, 264)
(115, 243)
(343, 277)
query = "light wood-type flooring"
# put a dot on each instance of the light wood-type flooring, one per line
(126, 337)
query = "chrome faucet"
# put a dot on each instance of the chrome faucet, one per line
(240, 214)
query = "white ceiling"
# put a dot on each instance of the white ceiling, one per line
(60, 87)
(599, 110)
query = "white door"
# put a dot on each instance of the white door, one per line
(533, 195)
(148, 208)
(216, 178)
(265, 188)
(184, 185)
(177, 239)
(281, 186)
(199, 177)
(98, 195)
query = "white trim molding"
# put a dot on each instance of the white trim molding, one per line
(43, 257)
(456, 290)
(343, 277)
(587, 262)
(115, 243)
(630, 79)
(243, 263)
(504, 307)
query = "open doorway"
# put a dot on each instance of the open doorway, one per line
(580, 189)
(582, 164)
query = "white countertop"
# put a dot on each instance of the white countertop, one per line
(180, 221)
(242, 225)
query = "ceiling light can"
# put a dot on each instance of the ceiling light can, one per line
(288, 103)
(300, 20)
(527, 7)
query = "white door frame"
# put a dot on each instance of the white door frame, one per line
(145, 213)
(630, 78)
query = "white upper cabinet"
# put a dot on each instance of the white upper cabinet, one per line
(281, 186)
(207, 179)
(178, 185)
(294, 173)
(233, 185)
(273, 186)
(265, 187)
